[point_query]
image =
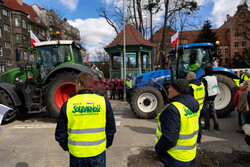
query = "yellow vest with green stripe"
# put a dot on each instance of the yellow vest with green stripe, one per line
(86, 115)
(185, 149)
(199, 94)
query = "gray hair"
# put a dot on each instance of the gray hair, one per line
(192, 75)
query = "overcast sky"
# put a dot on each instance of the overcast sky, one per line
(97, 33)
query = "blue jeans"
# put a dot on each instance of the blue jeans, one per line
(96, 161)
(242, 116)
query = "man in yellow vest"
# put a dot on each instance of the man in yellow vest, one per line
(86, 126)
(245, 76)
(178, 127)
(197, 90)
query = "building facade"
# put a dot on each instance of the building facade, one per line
(17, 19)
(233, 36)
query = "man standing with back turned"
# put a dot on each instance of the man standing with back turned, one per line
(197, 90)
(178, 127)
(86, 126)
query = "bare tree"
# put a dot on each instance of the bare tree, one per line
(176, 5)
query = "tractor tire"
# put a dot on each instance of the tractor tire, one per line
(147, 102)
(51, 88)
(224, 102)
(6, 100)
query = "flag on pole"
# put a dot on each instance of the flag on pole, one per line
(33, 39)
(174, 39)
(87, 59)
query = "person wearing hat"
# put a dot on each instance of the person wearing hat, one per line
(177, 131)
(197, 90)
(211, 91)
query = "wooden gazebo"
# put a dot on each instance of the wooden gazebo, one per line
(139, 53)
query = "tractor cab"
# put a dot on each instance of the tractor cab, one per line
(54, 53)
(191, 57)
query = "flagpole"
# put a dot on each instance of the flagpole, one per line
(124, 52)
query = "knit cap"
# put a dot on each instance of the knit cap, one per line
(181, 86)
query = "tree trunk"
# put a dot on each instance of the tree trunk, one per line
(163, 39)
(135, 15)
(140, 16)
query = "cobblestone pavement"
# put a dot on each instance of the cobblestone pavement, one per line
(30, 142)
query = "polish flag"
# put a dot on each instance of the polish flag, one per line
(90, 102)
(33, 39)
(174, 39)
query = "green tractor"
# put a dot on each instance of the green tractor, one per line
(49, 82)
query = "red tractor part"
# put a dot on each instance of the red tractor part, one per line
(64, 92)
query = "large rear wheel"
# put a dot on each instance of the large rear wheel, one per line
(146, 102)
(223, 102)
(59, 89)
(6, 100)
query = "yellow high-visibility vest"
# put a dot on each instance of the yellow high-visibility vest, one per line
(129, 83)
(185, 149)
(86, 115)
(199, 94)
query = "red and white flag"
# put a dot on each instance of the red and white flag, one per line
(33, 39)
(174, 39)
(90, 102)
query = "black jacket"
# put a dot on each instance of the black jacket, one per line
(61, 128)
(170, 127)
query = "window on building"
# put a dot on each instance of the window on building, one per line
(226, 51)
(7, 45)
(1, 51)
(29, 27)
(244, 44)
(131, 60)
(236, 44)
(236, 34)
(24, 23)
(226, 60)
(5, 12)
(18, 38)
(244, 34)
(17, 22)
(25, 39)
(236, 54)
(25, 56)
(8, 63)
(6, 27)
(1, 68)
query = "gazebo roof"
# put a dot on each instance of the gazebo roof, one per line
(133, 37)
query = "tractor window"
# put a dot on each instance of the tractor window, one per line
(64, 53)
(77, 56)
(192, 59)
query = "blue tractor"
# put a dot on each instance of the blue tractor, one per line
(149, 92)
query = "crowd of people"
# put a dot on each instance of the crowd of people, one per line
(115, 86)
(86, 124)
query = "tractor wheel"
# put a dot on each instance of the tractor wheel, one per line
(146, 102)
(224, 102)
(6, 100)
(58, 90)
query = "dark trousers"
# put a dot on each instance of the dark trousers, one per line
(96, 161)
(208, 109)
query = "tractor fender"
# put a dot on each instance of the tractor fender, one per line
(219, 70)
(67, 67)
(11, 90)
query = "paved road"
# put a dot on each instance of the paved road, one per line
(30, 142)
